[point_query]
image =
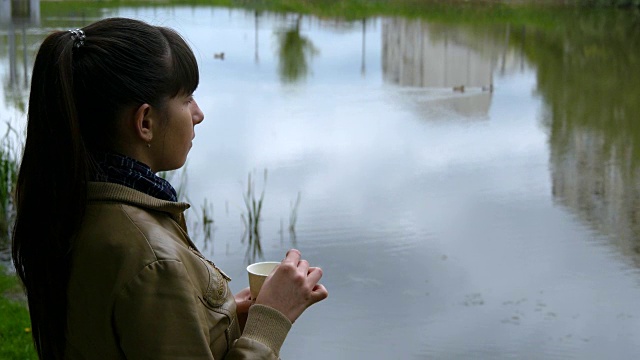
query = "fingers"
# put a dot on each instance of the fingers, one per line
(293, 286)
(303, 267)
(293, 257)
(244, 294)
(314, 274)
(242, 306)
(319, 293)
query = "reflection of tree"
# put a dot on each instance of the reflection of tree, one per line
(294, 53)
(587, 74)
(16, 83)
(20, 28)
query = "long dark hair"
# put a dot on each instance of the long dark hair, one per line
(77, 95)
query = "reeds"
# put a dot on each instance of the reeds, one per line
(293, 219)
(203, 227)
(293, 216)
(204, 223)
(181, 176)
(9, 165)
(207, 225)
(251, 219)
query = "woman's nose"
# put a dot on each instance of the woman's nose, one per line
(196, 113)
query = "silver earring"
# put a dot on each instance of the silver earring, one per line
(149, 145)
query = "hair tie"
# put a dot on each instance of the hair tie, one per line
(78, 37)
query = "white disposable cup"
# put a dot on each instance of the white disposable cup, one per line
(258, 272)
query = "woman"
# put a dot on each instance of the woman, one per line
(100, 241)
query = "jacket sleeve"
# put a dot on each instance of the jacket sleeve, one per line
(155, 316)
(263, 336)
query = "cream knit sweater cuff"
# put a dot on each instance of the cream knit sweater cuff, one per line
(268, 326)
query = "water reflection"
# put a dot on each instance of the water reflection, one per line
(17, 17)
(9, 154)
(452, 224)
(256, 38)
(417, 54)
(251, 219)
(206, 225)
(200, 219)
(293, 220)
(590, 89)
(363, 62)
(19, 11)
(295, 51)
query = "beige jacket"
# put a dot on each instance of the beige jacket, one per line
(139, 289)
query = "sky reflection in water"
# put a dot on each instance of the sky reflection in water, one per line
(432, 211)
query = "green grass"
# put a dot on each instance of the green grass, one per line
(15, 327)
(531, 12)
(8, 177)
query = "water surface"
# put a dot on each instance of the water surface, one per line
(470, 190)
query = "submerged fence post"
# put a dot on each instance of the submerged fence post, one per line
(24, 11)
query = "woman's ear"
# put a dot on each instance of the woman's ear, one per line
(144, 122)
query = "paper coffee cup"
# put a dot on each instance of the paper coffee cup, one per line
(258, 272)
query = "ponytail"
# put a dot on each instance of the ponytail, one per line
(50, 193)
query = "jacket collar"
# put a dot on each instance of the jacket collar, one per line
(103, 191)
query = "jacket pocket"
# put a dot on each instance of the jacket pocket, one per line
(216, 292)
(220, 304)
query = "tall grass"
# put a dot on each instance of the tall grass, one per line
(9, 160)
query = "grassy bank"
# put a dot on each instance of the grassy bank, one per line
(15, 335)
(530, 12)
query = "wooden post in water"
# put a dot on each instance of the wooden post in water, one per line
(20, 11)
(17, 17)
(5, 11)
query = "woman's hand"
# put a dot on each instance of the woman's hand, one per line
(243, 303)
(292, 287)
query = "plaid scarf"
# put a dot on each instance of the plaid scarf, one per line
(123, 170)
